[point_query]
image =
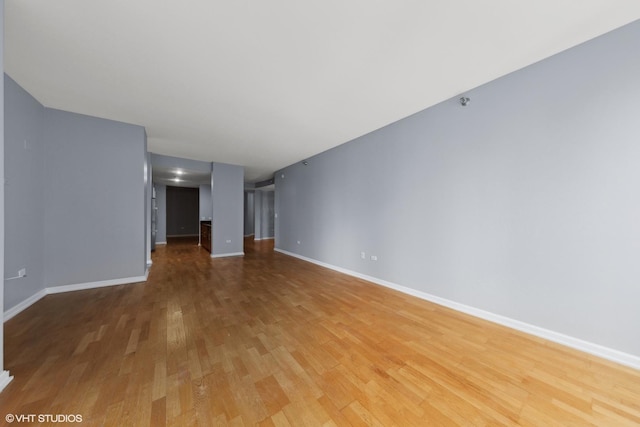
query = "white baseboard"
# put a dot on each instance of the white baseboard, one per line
(227, 255)
(99, 284)
(569, 341)
(5, 379)
(23, 305)
(161, 243)
(265, 238)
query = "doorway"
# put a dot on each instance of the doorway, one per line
(183, 209)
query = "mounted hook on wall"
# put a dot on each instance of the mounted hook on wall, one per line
(464, 101)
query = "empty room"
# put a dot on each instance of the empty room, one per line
(323, 214)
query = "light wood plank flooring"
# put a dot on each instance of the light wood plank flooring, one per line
(271, 340)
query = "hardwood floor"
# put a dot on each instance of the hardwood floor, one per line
(271, 340)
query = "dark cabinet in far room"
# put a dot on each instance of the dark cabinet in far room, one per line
(205, 234)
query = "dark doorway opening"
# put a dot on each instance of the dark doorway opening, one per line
(183, 209)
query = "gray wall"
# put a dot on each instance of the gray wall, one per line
(161, 204)
(24, 193)
(249, 212)
(72, 220)
(205, 202)
(267, 223)
(525, 203)
(182, 211)
(257, 214)
(227, 188)
(264, 214)
(94, 226)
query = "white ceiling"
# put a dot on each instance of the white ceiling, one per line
(180, 177)
(264, 84)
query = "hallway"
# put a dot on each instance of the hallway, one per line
(271, 340)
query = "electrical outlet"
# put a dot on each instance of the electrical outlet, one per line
(363, 255)
(298, 241)
(228, 240)
(374, 257)
(22, 272)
